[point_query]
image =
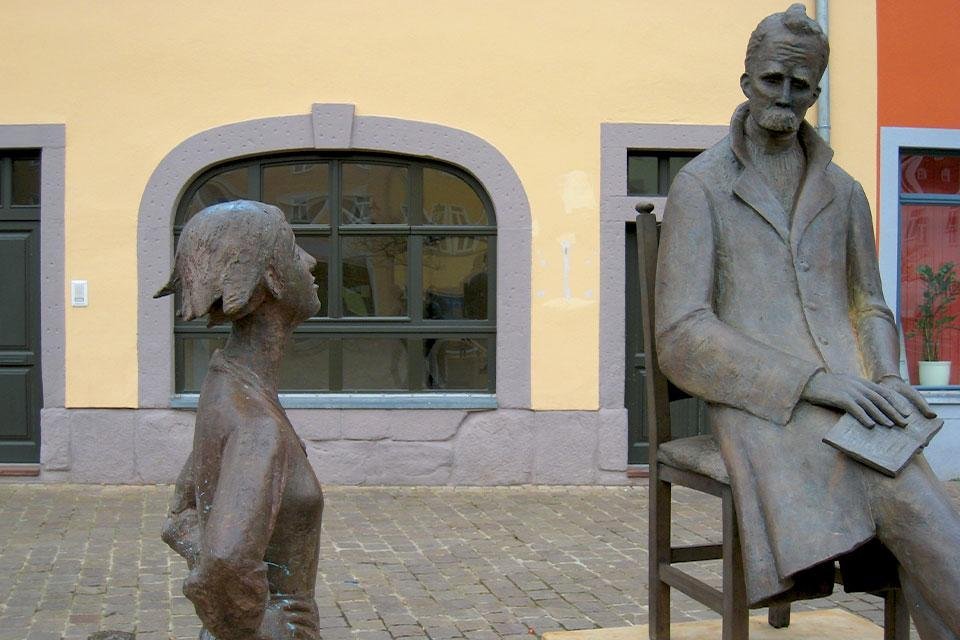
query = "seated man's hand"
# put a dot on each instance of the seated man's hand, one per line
(869, 402)
(894, 383)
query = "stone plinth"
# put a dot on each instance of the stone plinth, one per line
(804, 625)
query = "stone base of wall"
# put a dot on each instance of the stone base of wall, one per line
(386, 447)
(375, 447)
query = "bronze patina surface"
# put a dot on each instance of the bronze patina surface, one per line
(247, 508)
(769, 307)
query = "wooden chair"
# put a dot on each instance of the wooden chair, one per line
(695, 462)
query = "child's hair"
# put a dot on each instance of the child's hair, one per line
(222, 255)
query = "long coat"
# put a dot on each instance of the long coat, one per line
(752, 301)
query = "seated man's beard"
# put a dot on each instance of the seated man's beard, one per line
(779, 119)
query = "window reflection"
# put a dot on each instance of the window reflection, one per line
(651, 173)
(374, 276)
(367, 337)
(192, 367)
(456, 363)
(300, 190)
(373, 194)
(319, 248)
(930, 267)
(449, 200)
(374, 364)
(223, 187)
(921, 173)
(454, 278)
(306, 365)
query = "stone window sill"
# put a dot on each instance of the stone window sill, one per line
(941, 396)
(474, 401)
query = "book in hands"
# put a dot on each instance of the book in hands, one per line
(885, 449)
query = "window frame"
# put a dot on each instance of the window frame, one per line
(894, 141)
(413, 326)
(663, 158)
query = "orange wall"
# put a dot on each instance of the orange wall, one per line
(918, 61)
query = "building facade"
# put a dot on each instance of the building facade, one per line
(466, 175)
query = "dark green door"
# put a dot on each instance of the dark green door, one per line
(20, 390)
(686, 416)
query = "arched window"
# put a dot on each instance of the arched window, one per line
(406, 253)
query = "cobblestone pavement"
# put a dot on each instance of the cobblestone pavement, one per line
(441, 563)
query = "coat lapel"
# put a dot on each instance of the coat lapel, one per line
(753, 189)
(750, 185)
(817, 191)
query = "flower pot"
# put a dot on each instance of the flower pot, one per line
(934, 373)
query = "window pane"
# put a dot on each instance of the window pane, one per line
(448, 199)
(375, 364)
(929, 173)
(455, 278)
(26, 182)
(301, 190)
(192, 368)
(929, 289)
(306, 365)
(373, 194)
(642, 175)
(224, 187)
(319, 248)
(456, 363)
(374, 276)
(676, 163)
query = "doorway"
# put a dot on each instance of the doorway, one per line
(21, 395)
(687, 417)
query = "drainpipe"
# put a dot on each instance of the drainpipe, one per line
(823, 106)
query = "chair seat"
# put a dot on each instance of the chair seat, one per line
(699, 454)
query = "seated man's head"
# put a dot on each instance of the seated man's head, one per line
(786, 56)
(234, 256)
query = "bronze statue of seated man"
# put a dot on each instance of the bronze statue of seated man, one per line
(769, 307)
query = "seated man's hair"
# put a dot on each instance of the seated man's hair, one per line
(796, 21)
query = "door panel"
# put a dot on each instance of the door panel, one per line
(15, 407)
(14, 321)
(20, 383)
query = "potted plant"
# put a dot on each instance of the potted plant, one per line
(933, 318)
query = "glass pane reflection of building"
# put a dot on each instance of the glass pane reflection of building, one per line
(448, 200)
(373, 194)
(386, 324)
(456, 364)
(930, 265)
(455, 278)
(224, 187)
(374, 276)
(371, 364)
(301, 190)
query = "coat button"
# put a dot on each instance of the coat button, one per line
(803, 265)
(824, 341)
(811, 306)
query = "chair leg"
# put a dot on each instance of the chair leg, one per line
(779, 615)
(735, 611)
(659, 552)
(896, 616)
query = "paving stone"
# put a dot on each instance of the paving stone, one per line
(396, 562)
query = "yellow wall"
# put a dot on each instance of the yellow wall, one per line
(853, 84)
(535, 78)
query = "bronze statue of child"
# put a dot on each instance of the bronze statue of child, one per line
(247, 508)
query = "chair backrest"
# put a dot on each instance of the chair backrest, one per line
(659, 392)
